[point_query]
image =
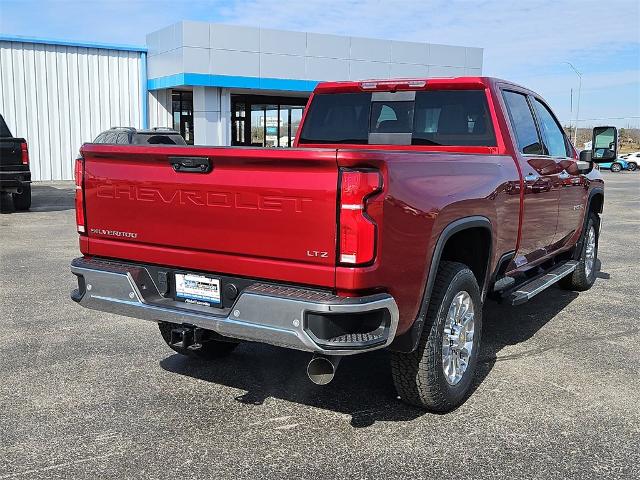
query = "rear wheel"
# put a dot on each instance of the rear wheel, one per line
(584, 275)
(616, 167)
(6, 202)
(207, 350)
(22, 201)
(633, 166)
(439, 373)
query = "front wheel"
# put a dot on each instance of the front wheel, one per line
(632, 166)
(584, 275)
(439, 373)
(616, 167)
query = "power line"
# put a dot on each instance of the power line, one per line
(608, 118)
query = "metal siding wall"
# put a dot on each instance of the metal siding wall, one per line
(58, 97)
(160, 108)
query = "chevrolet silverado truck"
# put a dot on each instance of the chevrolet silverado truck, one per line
(402, 207)
(15, 175)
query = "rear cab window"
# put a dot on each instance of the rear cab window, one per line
(337, 118)
(429, 117)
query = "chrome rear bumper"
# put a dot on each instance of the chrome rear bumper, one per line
(262, 312)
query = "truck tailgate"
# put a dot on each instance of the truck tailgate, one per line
(269, 208)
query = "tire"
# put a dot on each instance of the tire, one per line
(22, 201)
(584, 275)
(6, 202)
(616, 167)
(633, 166)
(419, 376)
(209, 350)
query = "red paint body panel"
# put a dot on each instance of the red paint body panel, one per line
(424, 193)
(257, 213)
(260, 212)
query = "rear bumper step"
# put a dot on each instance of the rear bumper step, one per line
(526, 291)
(274, 314)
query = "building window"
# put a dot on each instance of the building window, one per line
(182, 105)
(263, 121)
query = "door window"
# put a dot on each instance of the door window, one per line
(238, 119)
(257, 125)
(523, 123)
(553, 137)
(182, 104)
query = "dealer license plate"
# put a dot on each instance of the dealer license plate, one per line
(197, 289)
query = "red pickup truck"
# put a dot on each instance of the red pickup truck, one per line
(404, 204)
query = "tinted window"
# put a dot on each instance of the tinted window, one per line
(99, 138)
(551, 132)
(337, 118)
(523, 123)
(452, 117)
(4, 130)
(391, 117)
(164, 139)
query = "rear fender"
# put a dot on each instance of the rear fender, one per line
(408, 341)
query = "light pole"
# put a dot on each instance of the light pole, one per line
(575, 131)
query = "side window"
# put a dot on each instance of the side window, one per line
(523, 123)
(553, 137)
(452, 117)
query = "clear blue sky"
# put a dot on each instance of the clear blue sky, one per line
(524, 41)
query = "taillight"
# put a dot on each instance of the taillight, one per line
(357, 229)
(79, 178)
(24, 150)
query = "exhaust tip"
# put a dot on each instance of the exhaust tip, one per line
(322, 369)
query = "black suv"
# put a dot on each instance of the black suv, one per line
(131, 136)
(15, 176)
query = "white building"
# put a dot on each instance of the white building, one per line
(216, 84)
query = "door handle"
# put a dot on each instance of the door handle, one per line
(532, 177)
(190, 164)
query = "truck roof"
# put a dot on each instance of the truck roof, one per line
(388, 84)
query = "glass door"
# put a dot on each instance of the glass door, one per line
(182, 106)
(257, 126)
(272, 126)
(273, 121)
(238, 124)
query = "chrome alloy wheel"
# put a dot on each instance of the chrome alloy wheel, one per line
(590, 251)
(457, 340)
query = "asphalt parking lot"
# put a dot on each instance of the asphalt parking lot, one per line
(91, 395)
